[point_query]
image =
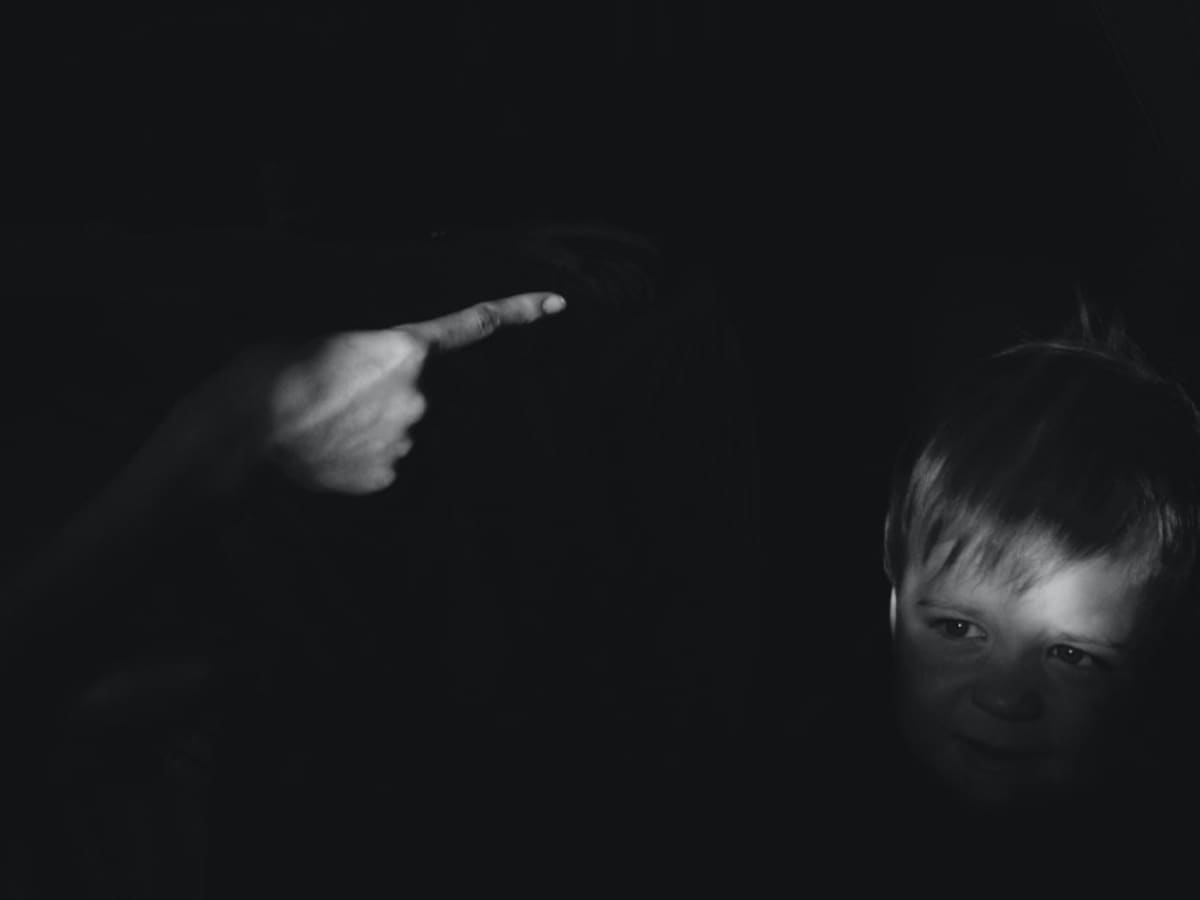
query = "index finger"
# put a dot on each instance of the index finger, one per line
(473, 324)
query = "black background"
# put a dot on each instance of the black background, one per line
(859, 175)
(883, 191)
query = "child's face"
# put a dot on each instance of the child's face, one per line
(1005, 693)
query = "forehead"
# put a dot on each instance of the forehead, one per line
(1100, 592)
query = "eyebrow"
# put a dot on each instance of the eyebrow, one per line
(929, 601)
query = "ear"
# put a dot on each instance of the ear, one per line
(887, 527)
(887, 535)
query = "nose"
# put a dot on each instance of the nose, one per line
(1010, 691)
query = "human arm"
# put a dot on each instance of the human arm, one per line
(333, 414)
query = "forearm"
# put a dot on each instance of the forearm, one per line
(187, 476)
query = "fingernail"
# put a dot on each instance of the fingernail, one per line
(553, 304)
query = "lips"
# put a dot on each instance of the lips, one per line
(1000, 756)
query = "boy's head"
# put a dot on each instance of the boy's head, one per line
(1041, 537)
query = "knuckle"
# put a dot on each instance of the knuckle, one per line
(412, 348)
(418, 405)
(487, 319)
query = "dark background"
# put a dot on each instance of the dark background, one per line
(858, 177)
(882, 191)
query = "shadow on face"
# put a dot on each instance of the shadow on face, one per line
(1011, 693)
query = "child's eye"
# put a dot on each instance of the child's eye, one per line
(956, 629)
(1076, 658)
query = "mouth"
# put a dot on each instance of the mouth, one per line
(998, 757)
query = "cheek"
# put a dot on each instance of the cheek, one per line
(1078, 712)
(932, 678)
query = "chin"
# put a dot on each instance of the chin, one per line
(996, 786)
(997, 795)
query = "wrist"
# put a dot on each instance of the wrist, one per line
(212, 441)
